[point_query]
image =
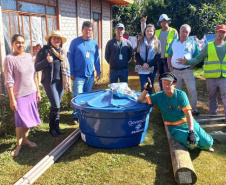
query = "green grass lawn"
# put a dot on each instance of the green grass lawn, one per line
(148, 163)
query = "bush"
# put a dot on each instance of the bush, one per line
(44, 107)
(7, 124)
(65, 103)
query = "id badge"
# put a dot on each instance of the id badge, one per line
(120, 57)
(87, 54)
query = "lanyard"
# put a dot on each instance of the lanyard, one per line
(86, 47)
(120, 46)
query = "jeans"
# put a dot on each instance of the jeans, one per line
(54, 93)
(144, 79)
(81, 85)
(122, 75)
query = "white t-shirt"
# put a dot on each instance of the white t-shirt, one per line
(181, 50)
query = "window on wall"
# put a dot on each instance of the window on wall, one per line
(97, 28)
(33, 21)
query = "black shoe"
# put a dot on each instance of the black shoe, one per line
(59, 131)
(195, 113)
(53, 132)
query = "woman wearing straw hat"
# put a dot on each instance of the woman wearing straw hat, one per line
(53, 63)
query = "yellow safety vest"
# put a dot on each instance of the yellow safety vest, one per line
(170, 37)
(213, 68)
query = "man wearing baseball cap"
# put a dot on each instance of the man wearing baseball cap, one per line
(118, 53)
(166, 35)
(176, 112)
(214, 67)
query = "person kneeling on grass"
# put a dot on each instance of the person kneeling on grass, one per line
(176, 111)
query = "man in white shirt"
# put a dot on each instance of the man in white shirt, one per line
(180, 48)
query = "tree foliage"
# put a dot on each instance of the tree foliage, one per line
(202, 15)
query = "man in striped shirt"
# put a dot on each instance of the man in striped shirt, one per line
(176, 112)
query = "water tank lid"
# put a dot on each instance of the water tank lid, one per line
(106, 101)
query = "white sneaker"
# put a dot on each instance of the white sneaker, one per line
(211, 149)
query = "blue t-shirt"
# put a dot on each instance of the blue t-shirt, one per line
(172, 108)
(81, 63)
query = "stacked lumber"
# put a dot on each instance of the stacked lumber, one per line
(214, 125)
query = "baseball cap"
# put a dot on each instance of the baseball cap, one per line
(169, 76)
(119, 25)
(162, 17)
(221, 27)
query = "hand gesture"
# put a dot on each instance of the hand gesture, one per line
(182, 60)
(148, 85)
(144, 19)
(145, 66)
(98, 77)
(38, 97)
(72, 78)
(191, 139)
(49, 58)
(13, 105)
(170, 68)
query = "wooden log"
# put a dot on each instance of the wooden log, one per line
(183, 169)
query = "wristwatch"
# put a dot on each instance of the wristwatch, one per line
(191, 131)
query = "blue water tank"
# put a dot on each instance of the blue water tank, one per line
(108, 121)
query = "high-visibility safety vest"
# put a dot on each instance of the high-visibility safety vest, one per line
(170, 37)
(213, 68)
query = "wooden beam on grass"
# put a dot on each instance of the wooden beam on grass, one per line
(183, 169)
(214, 125)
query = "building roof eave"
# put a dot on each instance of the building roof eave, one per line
(121, 2)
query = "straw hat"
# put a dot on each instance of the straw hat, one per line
(56, 33)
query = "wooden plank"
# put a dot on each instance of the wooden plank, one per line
(221, 137)
(213, 119)
(183, 169)
(214, 127)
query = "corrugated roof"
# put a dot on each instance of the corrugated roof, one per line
(120, 2)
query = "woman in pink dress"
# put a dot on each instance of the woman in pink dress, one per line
(22, 86)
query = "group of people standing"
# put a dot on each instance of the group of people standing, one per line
(159, 48)
(180, 55)
(178, 58)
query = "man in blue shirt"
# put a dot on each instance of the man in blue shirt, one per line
(83, 57)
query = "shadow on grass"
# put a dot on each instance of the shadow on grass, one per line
(5, 147)
(31, 156)
(155, 151)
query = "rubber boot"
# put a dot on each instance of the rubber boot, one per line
(57, 127)
(52, 119)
